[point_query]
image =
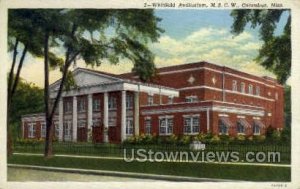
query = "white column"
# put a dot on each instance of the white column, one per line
(105, 117)
(90, 116)
(74, 133)
(207, 120)
(60, 119)
(123, 116)
(136, 113)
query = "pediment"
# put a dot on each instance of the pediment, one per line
(84, 77)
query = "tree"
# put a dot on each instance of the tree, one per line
(275, 53)
(131, 31)
(20, 29)
(28, 100)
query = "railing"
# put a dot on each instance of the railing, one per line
(117, 150)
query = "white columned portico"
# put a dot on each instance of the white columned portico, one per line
(123, 116)
(90, 117)
(74, 130)
(60, 119)
(105, 117)
(136, 113)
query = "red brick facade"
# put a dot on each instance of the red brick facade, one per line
(217, 96)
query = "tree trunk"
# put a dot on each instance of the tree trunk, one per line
(12, 86)
(49, 134)
(11, 73)
(16, 81)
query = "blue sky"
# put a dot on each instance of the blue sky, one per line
(190, 35)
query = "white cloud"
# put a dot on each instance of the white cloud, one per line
(214, 45)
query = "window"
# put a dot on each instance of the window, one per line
(148, 126)
(112, 103)
(67, 130)
(242, 87)
(150, 99)
(129, 126)
(257, 90)
(129, 101)
(96, 122)
(240, 128)
(191, 125)
(250, 89)
(68, 106)
(81, 105)
(223, 129)
(276, 96)
(234, 85)
(165, 126)
(170, 100)
(191, 99)
(256, 129)
(96, 104)
(56, 125)
(43, 130)
(81, 123)
(112, 121)
(31, 130)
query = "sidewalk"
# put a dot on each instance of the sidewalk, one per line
(121, 174)
(121, 158)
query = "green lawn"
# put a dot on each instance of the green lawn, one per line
(118, 150)
(200, 170)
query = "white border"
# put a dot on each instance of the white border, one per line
(295, 81)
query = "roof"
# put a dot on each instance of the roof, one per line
(267, 79)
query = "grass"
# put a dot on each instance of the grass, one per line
(200, 170)
(117, 150)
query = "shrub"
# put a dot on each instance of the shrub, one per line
(224, 139)
(201, 137)
(185, 139)
(259, 138)
(171, 139)
(215, 139)
(276, 136)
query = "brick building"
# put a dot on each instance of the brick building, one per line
(182, 100)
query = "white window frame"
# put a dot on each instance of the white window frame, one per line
(234, 85)
(96, 104)
(81, 123)
(56, 126)
(148, 126)
(188, 122)
(257, 91)
(112, 103)
(31, 130)
(243, 87)
(68, 107)
(255, 131)
(191, 99)
(67, 130)
(129, 126)
(170, 99)
(238, 127)
(250, 89)
(112, 121)
(96, 122)
(220, 126)
(81, 105)
(129, 101)
(43, 130)
(168, 125)
(150, 99)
